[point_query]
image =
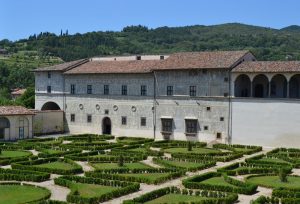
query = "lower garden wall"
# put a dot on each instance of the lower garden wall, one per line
(47, 122)
(266, 122)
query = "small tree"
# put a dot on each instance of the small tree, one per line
(282, 175)
(0, 151)
(121, 160)
(190, 146)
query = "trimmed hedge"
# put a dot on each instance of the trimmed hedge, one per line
(240, 187)
(202, 165)
(124, 188)
(28, 165)
(135, 140)
(245, 168)
(250, 149)
(43, 153)
(205, 157)
(23, 175)
(215, 196)
(113, 175)
(173, 143)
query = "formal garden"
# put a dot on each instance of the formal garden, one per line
(103, 169)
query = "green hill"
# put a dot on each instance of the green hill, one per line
(47, 48)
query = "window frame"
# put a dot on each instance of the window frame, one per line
(193, 91)
(124, 90)
(73, 88)
(49, 89)
(123, 120)
(143, 90)
(191, 126)
(89, 118)
(170, 91)
(72, 117)
(89, 89)
(166, 125)
(106, 89)
(143, 122)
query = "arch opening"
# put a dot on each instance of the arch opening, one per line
(278, 86)
(294, 90)
(4, 127)
(106, 126)
(242, 86)
(50, 106)
(260, 86)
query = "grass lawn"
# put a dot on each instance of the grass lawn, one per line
(219, 181)
(149, 176)
(91, 190)
(56, 165)
(183, 164)
(135, 165)
(274, 182)
(13, 154)
(176, 198)
(194, 150)
(16, 194)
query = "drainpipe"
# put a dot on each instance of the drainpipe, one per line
(154, 105)
(229, 131)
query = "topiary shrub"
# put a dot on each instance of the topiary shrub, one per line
(282, 175)
(189, 146)
(121, 161)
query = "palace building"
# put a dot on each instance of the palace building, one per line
(222, 96)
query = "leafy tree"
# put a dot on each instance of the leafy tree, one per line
(27, 99)
(282, 175)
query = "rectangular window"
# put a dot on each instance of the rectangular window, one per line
(106, 112)
(169, 90)
(72, 88)
(48, 89)
(221, 118)
(191, 126)
(106, 90)
(72, 117)
(89, 89)
(143, 90)
(124, 120)
(49, 75)
(208, 108)
(205, 127)
(219, 135)
(167, 125)
(192, 90)
(143, 121)
(89, 118)
(124, 90)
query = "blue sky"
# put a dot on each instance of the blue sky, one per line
(21, 18)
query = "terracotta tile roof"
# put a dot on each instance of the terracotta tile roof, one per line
(185, 60)
(105, 67)
(202, 60)
(14, 110)
(18, 92)
(62, 67)
(268, 66)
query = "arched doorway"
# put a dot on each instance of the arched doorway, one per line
(50, 106)
(278, 86)
(260, 86)
(106, 126)
(295, 86)
(242, 86)
(4, 127)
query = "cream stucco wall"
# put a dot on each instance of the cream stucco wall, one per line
(46, 122)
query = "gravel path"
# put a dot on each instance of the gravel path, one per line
(34, 152)
(149, 162)
(85, 166)
(178, 182)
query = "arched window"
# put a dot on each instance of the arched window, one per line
(242, 86)
(260, 86)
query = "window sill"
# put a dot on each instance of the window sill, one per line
(190, 134)
(166, 132)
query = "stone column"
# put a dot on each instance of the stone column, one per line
(269, 89)
(288, 89)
